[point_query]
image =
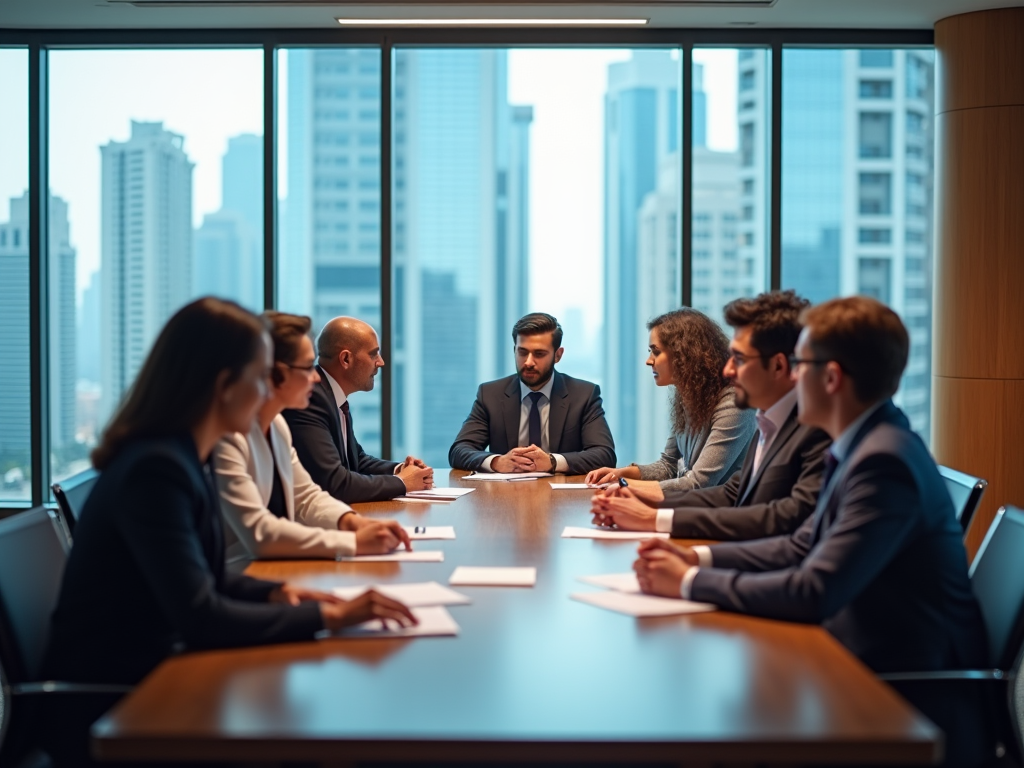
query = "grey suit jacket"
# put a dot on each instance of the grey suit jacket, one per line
(774, 501)
(881, 564)
(576, 425)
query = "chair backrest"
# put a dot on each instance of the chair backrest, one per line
(997, 578)
(966, 492)
(33, 553)
(71, 496)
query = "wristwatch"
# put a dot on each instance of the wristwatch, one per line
(554, 464)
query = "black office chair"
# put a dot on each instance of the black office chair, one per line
(33, 552)
(997, 579)
(966, 492)
(71, 496)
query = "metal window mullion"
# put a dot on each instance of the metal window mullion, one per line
(38, 264)
(686, 181)
(386, 48)
(775, 200)
(269, 176)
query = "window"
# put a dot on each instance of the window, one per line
(834, 191)
(15, 389)
(505, 203)
(876, 134)
(329, 213)
(157, 198)
(876, 89)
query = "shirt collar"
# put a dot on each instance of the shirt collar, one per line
(545, 390)
(339, 394)
(842, 444)
(779, 412)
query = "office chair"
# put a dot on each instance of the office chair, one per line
(966, 492)
(33, 552)
(997, 579)
(71, 496)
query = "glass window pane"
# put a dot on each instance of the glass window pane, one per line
(531, 180)
(329, 196)
(156, 198)
(731, 122)
(857, 190)
(15, 425)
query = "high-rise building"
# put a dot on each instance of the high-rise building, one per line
(146, 248)
(460, 226)
(15, 428)
(228, 251)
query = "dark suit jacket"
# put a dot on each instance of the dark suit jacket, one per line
(352, 475)
(881, 563)
(146, 574)
(775, 501)
(576, 425)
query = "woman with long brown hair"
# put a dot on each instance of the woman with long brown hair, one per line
(710, 435)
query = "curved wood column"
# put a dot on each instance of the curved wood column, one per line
(978, 353)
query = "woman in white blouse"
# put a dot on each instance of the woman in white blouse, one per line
(268, 499)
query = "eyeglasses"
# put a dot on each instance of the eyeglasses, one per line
(306, 368)
(739, 359)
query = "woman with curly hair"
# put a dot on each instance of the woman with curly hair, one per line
(710, 434)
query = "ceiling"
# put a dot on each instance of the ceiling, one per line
(856, 14)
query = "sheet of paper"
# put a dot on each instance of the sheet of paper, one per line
(434, 621)
(419, 500)
(620, 582)
(493, 577)
(413, 595)
(641, 605)
(577, 486)
(399, 556)
(441, 492)
(572, 532)
(506, 476)
(419, 532)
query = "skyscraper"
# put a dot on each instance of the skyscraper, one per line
(146, 248)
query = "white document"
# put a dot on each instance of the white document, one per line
(421, 500)
(572, 532)
(620, 582)
(399, 556)
(641, 605)
(577, 486)
(506, 476)
(420, 532)
(413, 595)
(445, 493)
(493, 577)
(434, 621)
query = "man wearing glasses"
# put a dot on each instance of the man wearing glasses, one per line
(349, 358)
(778, 485)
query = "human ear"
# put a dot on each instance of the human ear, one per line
(558, 353)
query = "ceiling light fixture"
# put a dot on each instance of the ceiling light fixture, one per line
(560, 22)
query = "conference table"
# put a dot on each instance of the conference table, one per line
(531, 676)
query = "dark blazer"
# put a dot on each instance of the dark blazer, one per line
(146, 574)
(352, 475)
(775, 501)
(576, 425)
(881, 563)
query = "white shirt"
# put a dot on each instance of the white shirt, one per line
(341, 398)
(544, 406)
(840, 448)
(777, 416)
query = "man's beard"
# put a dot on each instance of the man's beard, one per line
(541, 381)
(740, 397)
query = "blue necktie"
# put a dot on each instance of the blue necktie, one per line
(534, 419)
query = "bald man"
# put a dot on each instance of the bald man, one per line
(323, 434)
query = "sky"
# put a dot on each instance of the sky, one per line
(210, 96)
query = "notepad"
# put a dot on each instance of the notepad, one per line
(413, 595)
(442, 493)
(401, 556)
(430, 532)
(434, 621)
(641, 605)
(577, 486)
(572, 532)
(620, 582)
(493, 577)
(506, 476)
(418, 500)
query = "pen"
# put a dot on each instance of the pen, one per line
(420, 529)
(519, 479)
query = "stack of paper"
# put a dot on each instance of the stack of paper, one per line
(413, 595)
(434, 621)
(419, 532)
(506, 476)
(400, 556)
(620, 582)
(641, 605)
(572, 532)
(435, 495)
(493, 577)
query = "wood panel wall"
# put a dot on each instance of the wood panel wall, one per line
(978, 352)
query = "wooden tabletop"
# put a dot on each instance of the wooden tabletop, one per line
(532, 675)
